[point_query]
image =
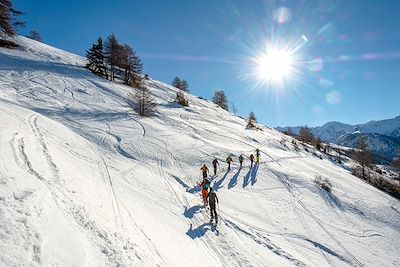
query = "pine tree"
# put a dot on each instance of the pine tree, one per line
(221, 100)
(95, 57)
(8, 18)
(142, 101)
(176, 82)
(184, 86)
(113, 54)
(251, 120)
(34, 35)
(362, 154)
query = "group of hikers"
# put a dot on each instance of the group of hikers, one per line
(208, 195)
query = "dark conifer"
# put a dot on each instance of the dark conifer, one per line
(95, 57)
(35, 35)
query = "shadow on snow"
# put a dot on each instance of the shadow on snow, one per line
(200, 231)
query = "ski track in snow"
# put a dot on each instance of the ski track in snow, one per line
(295, 195)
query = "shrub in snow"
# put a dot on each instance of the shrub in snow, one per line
(180, 98)
(283, 141)
(251, 121)
(324, 183)
(295, 145)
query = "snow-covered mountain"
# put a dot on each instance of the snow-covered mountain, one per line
(84, 181)
(383, 136)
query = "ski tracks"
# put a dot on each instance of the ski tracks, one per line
(259, 237)
(295, 194)
(112, 247)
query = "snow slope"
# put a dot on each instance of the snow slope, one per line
(84, 181)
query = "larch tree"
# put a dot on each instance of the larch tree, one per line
(131, 64)
(35, 35)
(180, 84)
(141, 100)
(220, 99)
(305, 135)
(113, 53)
(176, 82)
(184, 86)
(9, 19)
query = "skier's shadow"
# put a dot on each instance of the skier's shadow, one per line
(217, 184)
(198, 232)
(193, 190)
(254, 174)
(234, 179)
(246, 179)
(189, 213)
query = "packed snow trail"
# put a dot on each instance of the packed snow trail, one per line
(85, 181)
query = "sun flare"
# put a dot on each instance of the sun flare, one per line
(274, 66)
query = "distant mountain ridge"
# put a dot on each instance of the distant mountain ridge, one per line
(383, 136)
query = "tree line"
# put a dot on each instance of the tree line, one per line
(110, 59)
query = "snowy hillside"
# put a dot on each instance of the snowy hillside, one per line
(84, 181)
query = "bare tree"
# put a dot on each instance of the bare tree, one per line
(338, 155)
(221, 100)
(362, 154)
(306, 135)
(142, 100)
(318, 143)
(288, 131)
(112, 54)
(130, 62)
(234, 108)
(35, 35)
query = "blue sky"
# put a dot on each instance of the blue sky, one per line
(348, 52)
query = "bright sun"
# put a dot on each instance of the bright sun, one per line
(274, 66)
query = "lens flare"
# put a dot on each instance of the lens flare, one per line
(282, 15)
(274, 66)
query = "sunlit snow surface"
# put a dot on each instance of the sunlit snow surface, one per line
(86, 182)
